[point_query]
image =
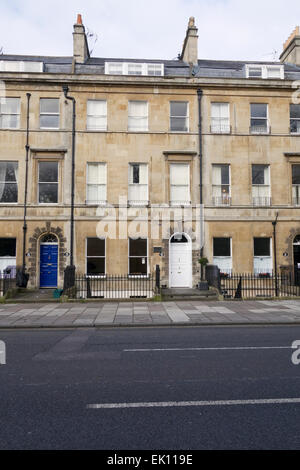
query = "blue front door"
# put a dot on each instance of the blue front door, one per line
(49, 257)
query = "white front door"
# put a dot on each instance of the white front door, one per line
(180, 263)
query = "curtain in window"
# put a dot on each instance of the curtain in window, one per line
(137, 116)
(180, 183)
(97, 115)
(220, 117)
(96, 189)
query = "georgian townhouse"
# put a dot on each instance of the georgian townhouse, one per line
(155, 141)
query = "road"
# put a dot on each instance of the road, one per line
(179, 388)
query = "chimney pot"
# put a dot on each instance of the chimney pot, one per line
(79, 19)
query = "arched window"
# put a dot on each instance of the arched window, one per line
(49, 238)
(297, 240)
(179, 238)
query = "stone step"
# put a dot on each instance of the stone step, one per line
(189, 294)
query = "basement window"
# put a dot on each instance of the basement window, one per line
(8, 253)
(222, 254)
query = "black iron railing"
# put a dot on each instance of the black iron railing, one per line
(249, 285)
(113, 287)
(7, 281)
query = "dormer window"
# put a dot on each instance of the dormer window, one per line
(20, 66)
(265, 71)
(134, 68)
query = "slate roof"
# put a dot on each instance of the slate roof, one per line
(173, 68)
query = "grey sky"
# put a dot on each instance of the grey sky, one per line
(228, 29)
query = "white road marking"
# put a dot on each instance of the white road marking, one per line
(209, 349)
(271, 401)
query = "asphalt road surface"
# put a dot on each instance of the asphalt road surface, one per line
(159, 388)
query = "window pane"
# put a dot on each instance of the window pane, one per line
(138, 266)
(49, 122)
(95, 247)
(255, 72)
(179, 124)
(10, 121)
(258, 174)
(8, 192)
(222, 247)
(179, 174)
(295, 111)
(296, 174)
(179, 109)
(95, 266)
(137, 123)
(96, 107)
(135, 174)
(8, 171)
(8, 247)
(48, 172)
(137, 108)
(262, 247)
(10, 105)
(138, 247)
(95, 123)
(180, 194)
(259, 110)
(49, 105)
(48, 193)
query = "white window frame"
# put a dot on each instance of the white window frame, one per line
(95, 276)
(267, 198)
(266, 119)
(135, 202)
(227, 258)
(144, 117)
(266, 71)
(50, 114)
(125, 66)
(20, 66)
(228, 197)
(294, 119)
(268, 271)
(187, 117)
(138, 276)
(219, 127)
(2, 101)
(104, 116)
(180, 203)
(295, 190)
(45, 182)
(92, 203)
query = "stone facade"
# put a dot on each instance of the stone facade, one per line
(158, 148)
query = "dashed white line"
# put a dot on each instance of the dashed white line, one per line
(271, 401)
(240, 348)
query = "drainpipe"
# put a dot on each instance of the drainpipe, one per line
(27, 148)
(66, 91)
(200, 95)
(275, 253)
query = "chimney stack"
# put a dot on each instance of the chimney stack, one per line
(190, 46)
(291, 48)
(80, 44)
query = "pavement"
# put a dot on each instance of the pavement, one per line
(135, 314)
